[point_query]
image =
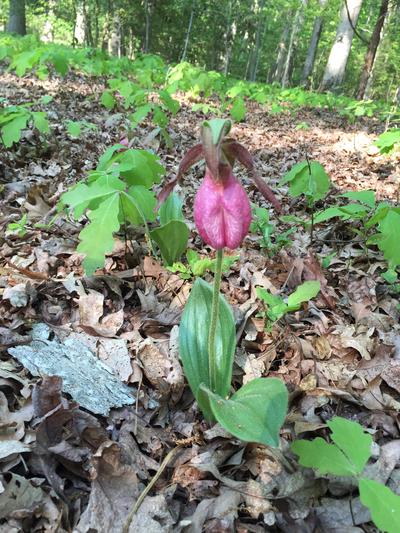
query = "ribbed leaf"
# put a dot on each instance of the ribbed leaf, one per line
(255, 413)
(193, 340)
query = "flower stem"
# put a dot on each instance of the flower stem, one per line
(212, 356)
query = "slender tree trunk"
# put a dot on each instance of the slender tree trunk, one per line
(79, 29)
(337, 61)
(312, 48)
(372, 49)
(16, 17)
(253, 62)
(147, 7)
(229, 36)
(189, 29)
(114, 43)
(277, 71)
(48, 30)
(297, 24)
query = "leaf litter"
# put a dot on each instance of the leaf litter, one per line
(92, 392)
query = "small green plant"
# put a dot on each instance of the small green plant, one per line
(378, 223)
(303, 126)
(277, 306)
(271, 240)
(19, 227)
(76, 128)
(388, 141)
(347, 456)
(14, 119)
(117, 192)
(310, 179)
(197, 266)
(172, 235)
(207, 337)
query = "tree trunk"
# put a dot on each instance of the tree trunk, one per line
(253, 61)
(372, 48)
(312, 48)
(79, 29)
(16, 17)
(48, 30)
(114, 42)
(229, 36)
(185, 47)
(337, 61)
(296, 27)
(277, 72)
(147, 7)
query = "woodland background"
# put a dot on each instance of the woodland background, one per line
(287, 42)
(112, 87)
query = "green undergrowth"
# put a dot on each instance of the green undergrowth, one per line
(128, 82)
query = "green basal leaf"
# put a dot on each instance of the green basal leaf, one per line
(255, 413)
(193, 341)
(383, 504)
(304, 293)
(324, 457)
(172, 240)
(352, 440)
(171, 209)
(97, 238)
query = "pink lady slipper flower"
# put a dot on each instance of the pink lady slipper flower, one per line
(222, 211)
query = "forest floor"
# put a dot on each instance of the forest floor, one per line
(69, 468)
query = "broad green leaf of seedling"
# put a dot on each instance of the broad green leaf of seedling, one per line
(383, 503)
(309, 179)
(346, 457)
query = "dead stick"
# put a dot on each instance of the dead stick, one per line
(143, 495)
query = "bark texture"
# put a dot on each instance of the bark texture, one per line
(372, 49)
(16, 17)
(337, 61)
(312, 48)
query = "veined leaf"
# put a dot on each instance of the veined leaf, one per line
(304, 293)
(352, 440)
(138, 205)
(309, 179)
(172, 240)
(11, 131)
(383, 504)
(324, 457)
(193, 343)
(171, 209)
(97, 238)
(389, 228)
(255, 413)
